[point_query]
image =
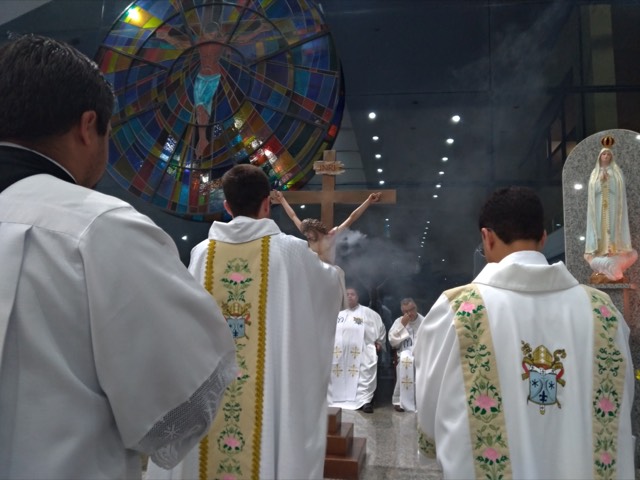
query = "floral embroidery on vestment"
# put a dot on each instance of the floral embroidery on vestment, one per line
(487, 425)
(608, 385)
(231, 450)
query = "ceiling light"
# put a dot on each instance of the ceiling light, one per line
(379, 170)
(455, 118)
(577, 186)
(443, 259)
(581, 239)
(428, 221)
(386, 219)
(184, 237)
(444, 159)
(637, 137)
(435, 196)
(449, 141)
(378, 155)
(440, 172)
(302, 206)
(438, 185)
(381, 182)
(375, 138)
(372, 115)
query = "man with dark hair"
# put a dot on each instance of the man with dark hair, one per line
(93, 298)
(524, 373)
(281, 302)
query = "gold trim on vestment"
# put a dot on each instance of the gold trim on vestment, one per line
(232, 447)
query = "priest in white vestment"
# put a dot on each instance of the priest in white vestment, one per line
(524, 373)
(109, 348)
(360, 335)
(280, 301)
(402, 337)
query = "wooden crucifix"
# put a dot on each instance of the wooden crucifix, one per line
(329, 196)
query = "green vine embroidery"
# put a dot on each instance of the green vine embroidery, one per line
(487, 423)
(426, 445)
(609, 365)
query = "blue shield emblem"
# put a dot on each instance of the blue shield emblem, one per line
(236, 324)
(542, 386)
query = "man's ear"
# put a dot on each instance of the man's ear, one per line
(265, 207)
(225, 204)
(542, 241)
(88, 126)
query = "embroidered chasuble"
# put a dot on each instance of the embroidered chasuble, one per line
(239, 285)
(347, 355)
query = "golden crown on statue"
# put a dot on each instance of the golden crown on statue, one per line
(607, 141)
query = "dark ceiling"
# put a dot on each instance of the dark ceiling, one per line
(529, 79)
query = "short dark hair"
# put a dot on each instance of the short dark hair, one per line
(245, 187)
(46, 86)
(513, 213)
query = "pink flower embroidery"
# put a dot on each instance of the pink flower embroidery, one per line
(605, 458)
(491, 454)
(467, 307)
(485, 402)
(605, 311)
(232, 442)
(228, 476)
(606, 405)
(236, 277)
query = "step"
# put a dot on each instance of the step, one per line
(347, 467)
(340, 442)
(335, 419)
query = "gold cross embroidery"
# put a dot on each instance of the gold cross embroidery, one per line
(406, 382)
(355, 351)
(337, 370)
(353, 370)
(337, 351)
(406, 362)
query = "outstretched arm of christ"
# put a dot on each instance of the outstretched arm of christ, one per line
(278, 197)
(357, 213)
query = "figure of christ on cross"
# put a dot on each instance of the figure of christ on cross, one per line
(321, 239)
(210, 45)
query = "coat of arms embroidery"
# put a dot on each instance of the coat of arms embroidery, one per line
(358, 320)
(236, 309)
(544, 372)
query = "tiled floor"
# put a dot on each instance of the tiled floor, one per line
(392, 446)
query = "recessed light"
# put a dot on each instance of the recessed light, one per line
(449, 141)
(378, 155)
(455, 118)
(379, 170)
(184, 237)
(375, 138)
(578, 186)
(386, 219)
(372, 115)
(302, 206)
(581, 239)
(435, 196)
(444, 159)
(438, 185)
(381, 182)
(440, 172)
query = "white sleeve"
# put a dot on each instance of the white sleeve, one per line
(434, 342)
(397, 333)
(162, 349)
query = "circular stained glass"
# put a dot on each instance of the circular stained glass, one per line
(204, 85)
